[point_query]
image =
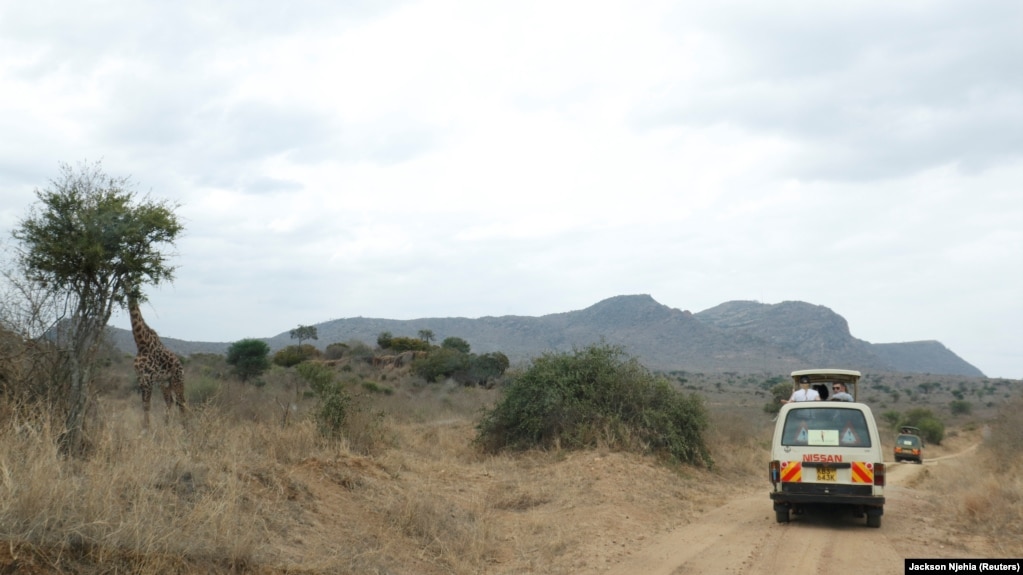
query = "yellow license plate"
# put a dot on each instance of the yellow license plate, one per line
(827, 474)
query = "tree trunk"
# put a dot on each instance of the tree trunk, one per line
(72, 441)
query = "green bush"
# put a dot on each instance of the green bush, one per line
(296, 354)
(485, 368)
(441, 363)
(959, 407)
(359, 350)
(591, 397)
(891, 419)
(466, 368)
(336, 350)
(318, 376)
(931, 428)
(400, 344)
(201, 390)
(777, 393)
(456, 343)
(332, 411)
(333, 402)
(374, 387)
(249, 358)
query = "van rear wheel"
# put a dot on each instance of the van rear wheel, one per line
(873, 520)
(781, 515)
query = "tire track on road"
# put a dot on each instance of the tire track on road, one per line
(742, 537)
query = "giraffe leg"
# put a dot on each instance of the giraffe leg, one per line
(174, 394)
(147, 394)
(177, 386)
(167, 399)
(179, 398)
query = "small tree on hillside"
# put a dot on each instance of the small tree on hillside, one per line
(303, 332)
(426, 335)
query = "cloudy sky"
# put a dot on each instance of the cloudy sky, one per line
(443, 158)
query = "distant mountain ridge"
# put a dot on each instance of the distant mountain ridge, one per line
(740, 336)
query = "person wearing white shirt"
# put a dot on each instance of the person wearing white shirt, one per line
(804, 393)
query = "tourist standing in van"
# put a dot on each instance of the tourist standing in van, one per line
(804, 393)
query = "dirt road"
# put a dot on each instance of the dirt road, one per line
(742, 537)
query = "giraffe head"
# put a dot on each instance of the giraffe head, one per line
(133, 292)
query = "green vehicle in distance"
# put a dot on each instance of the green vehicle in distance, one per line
(909, 446)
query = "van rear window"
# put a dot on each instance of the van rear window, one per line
(826, 427)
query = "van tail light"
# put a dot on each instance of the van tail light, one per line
(879, 474)
(774, 470)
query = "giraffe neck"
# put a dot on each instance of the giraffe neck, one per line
(145, 336)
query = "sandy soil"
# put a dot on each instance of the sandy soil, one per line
(596, 514)
(742, 536)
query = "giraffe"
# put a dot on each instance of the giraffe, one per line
(154, 363)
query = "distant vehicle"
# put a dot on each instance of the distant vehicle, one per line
(827, 452)
(909, 430)
(909, 446)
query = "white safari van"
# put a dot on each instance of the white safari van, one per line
(827, 452)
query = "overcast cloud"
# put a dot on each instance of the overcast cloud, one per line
(447, 158)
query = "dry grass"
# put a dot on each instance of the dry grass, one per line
(741, 441)
(986, 486)
(232, 490)
(210, 493)
(236, 490)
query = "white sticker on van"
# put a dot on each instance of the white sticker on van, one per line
(822, 437)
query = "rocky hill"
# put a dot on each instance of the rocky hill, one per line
(740, 336)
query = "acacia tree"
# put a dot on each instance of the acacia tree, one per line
(304, 332)
(87, 241)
